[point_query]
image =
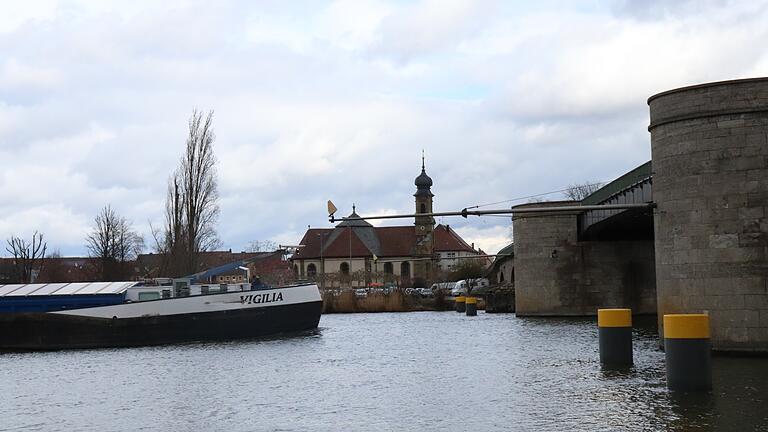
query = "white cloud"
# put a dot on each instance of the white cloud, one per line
(16, 75)
(16, 14)
(336, 100)
(573, 63)
(488, 237)
(60, 224)
(353, 24)
(430, 26)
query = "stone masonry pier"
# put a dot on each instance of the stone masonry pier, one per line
(710, 184)
(556, 274)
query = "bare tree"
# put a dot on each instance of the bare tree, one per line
(191, 207)
(261, 246)
(169, 241)
(28, 258)
(468, 269)
(112, 244)
(579, 191)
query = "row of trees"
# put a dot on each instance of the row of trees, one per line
(111, 245)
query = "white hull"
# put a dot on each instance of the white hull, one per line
(204, 303)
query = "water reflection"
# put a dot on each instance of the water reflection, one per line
(693, 411)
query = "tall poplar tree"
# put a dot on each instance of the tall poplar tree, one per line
(191, 207)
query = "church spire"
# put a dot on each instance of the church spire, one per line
(424, 225)
(423, 182)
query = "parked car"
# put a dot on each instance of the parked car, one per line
(462, 286)
(480, 283)
(361, 292)
(444, 287)
(389, 287)
(425, 292)
(459, 288)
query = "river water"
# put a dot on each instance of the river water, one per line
(417, 371)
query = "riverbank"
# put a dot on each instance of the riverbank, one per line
(352, 301)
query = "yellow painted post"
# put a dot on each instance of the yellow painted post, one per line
(471, 307)
(614, 329)
(460, 304)
(687, 350)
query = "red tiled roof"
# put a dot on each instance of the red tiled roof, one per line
(311, 242)
(446, 239)
(397, 240)
(206, 259)
(393, 240)
(341, 246)
(217, 258)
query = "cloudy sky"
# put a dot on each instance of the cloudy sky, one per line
(319, 100)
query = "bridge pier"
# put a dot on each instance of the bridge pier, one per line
(556, 274)
(703, 250)
(710, 162)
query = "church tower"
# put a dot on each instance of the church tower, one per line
(424, 225)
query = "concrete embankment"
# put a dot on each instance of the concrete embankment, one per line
(500, 301)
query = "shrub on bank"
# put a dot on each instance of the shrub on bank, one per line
(372, 300)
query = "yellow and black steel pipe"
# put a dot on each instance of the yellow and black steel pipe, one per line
(687, 350)
(471, 306)
(461, 305)
(614, 327)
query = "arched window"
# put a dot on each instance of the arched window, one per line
(388, 268)
(405, 269)
(501, 276)
(311, 271)
(423, 208)
(344, 268)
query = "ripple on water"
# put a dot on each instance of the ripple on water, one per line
(416, 371)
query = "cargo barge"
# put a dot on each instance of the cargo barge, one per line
(123, 314)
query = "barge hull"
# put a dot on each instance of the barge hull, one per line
(51, 331)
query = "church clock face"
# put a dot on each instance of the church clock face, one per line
(421, 227)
